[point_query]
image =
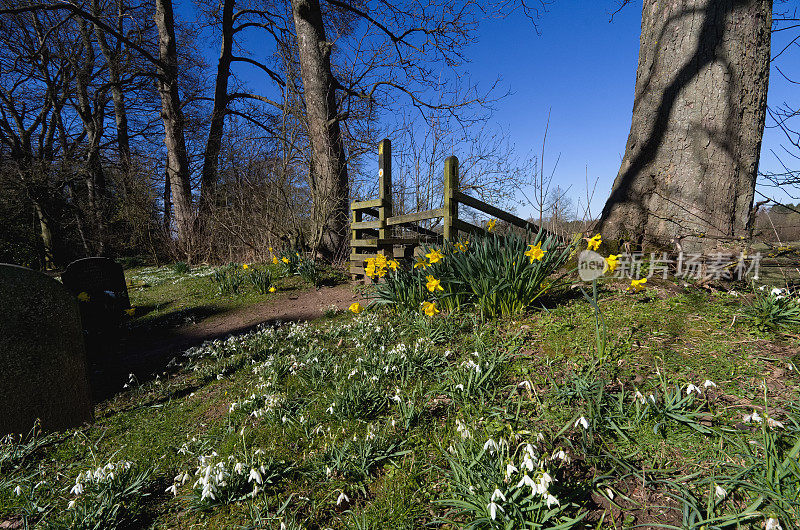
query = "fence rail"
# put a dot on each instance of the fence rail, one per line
(372, 237)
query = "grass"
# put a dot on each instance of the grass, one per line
(384, 420)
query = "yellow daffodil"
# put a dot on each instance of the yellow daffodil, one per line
(84, 297)
(130, 312)
(433, 284)
(369, 270)
(421, 263)
(638, 285)
(434, 256)
(245, 266)
(613, 262)
(594, 243)
(392, 264)
(274, 260)
(270, 250)
(355, 308)
(535, 252)
(285, 260)
(272, 289)
(490, 225)
(429, 308)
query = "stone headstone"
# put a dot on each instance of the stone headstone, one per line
(98, 278)
(42, 357)
(99, 286)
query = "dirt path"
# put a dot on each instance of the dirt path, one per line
(149, 351)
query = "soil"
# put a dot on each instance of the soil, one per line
(149, 350)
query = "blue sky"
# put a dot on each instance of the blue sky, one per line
(581, 69)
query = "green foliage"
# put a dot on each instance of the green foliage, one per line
(309, 271)
(354, 461)
(181, 267)
(773, 309)
(389, 419)
(260, 279)
(403, 289)
(228, 279)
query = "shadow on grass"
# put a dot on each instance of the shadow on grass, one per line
(172, 319)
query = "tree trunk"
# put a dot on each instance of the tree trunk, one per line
(208, 177)
(690, 164)
(329, 182)
(48, 261)
(167, 218)
(172, 115)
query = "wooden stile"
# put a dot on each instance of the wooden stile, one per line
(373, 237)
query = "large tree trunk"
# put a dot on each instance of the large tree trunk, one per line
(172, 115)
(329, 182)
(208, 177)
(690, 164)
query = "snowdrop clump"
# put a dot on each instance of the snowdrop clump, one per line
(508, 480)
(222, 480)
(257, 405)
(100, 475)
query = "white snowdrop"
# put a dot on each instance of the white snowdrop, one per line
(719, 491)
(754, 418)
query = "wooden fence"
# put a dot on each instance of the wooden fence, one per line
(398, 235)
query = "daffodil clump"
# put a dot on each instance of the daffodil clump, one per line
(499, 274)
(377, 267)
(288, 260)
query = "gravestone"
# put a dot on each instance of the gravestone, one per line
(42, 357)
(99, 286)
(100, 278)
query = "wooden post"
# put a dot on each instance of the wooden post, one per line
(450, 204)
(358, 216)
(384, 194)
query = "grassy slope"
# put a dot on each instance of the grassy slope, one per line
(396, 471)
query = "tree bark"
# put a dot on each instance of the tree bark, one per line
(329, 181)
(689, 170)
(172, 115)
